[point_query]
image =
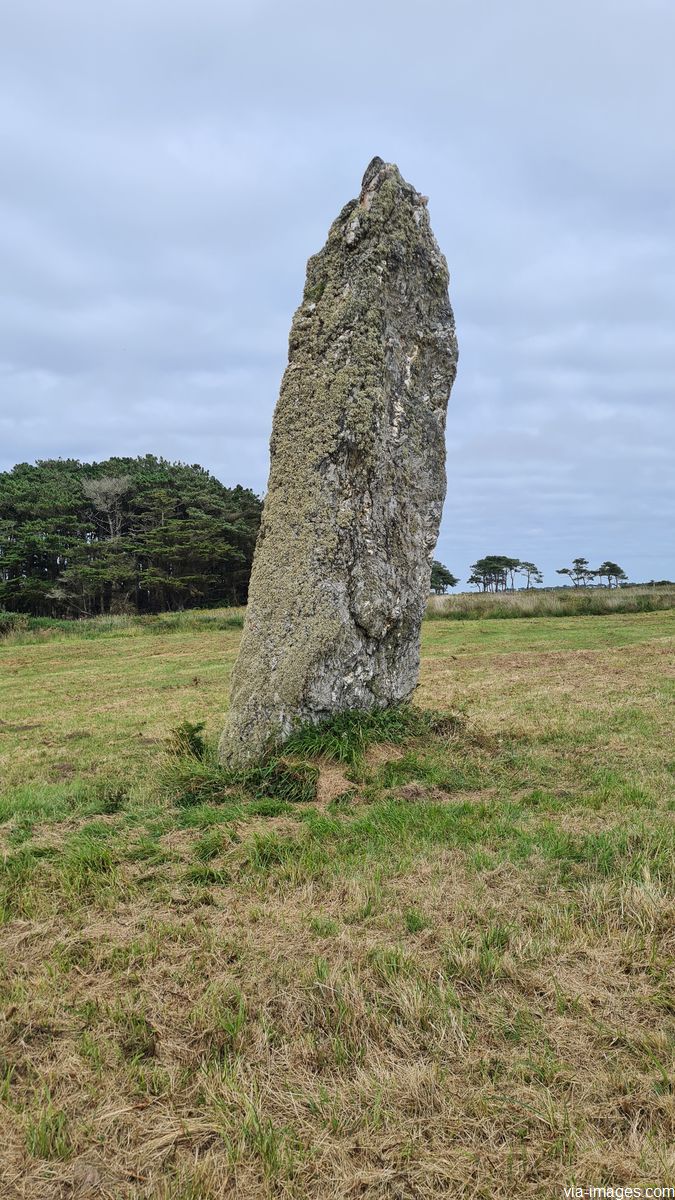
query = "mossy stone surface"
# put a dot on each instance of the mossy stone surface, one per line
(357, 477)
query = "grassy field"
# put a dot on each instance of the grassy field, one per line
(553, 602)
(450, 974)
(463, 606)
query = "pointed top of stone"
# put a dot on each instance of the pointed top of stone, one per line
(374, 166)
(377, 175)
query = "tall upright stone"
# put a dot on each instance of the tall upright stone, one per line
(357, 477)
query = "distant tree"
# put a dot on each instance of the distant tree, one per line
(441, 578)
(532, 574)
(511, 565)
(493, 573)
(612, 572)
(578, 572)
(106, 494)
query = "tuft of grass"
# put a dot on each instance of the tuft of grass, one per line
(220, 1018)
(108, 797)
(345, 737)
(267, 807)
(276, 1147)
(11, 622)
(6, 1073)
(186, 740)
(19, 874)
(88, 866)
(290, 778)
(190, 782)
(92, 1051)
(284, 779)
(47, 1135)
(192, 777)
(414, 920)
(205, 874)
(136, 1037)
(209, 845)
(323, 926)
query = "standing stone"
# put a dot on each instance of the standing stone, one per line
(357, 477)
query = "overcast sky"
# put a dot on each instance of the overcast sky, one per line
(169, 165)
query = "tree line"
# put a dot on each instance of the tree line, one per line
(146, 535)
(498, 573)
(124, 535)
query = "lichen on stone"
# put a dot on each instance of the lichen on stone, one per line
(357, 477)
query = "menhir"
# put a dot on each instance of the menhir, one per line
(357, 477)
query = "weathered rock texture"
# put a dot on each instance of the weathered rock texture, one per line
(357, 478)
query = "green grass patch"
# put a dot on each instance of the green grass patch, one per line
(346, 737)
(47, 1134)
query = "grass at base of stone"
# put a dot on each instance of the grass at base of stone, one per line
(189, 782)
(192, 774)
(346, 737)
(454, 979)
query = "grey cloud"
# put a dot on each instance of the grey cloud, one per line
(166, 175)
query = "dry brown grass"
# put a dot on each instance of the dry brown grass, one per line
(456, 981)
(333, 782)
(359, 1066)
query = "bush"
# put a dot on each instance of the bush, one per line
(11, 622)
(186, 740)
